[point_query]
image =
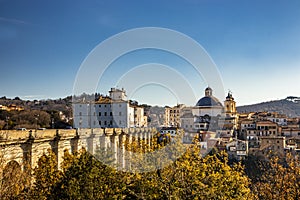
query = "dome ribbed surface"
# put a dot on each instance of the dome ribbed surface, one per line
(208, 101)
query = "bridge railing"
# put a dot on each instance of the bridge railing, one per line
(12, 135)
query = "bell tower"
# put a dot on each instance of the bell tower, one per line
(229, 105)
(231, 116)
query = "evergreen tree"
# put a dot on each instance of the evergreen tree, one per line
(46, 175)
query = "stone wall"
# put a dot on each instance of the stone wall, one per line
(25, 147)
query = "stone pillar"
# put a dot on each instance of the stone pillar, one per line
(121, 153)
(55, 147)
(142, 141)
(150, 139)
(104, 143)
(128, 151)
(75, 144)
(90, 144)
(60, 153)
(102, 147)
(134, 140)
(114, 147)
(140, 137)
(27, 155)
(147, 138)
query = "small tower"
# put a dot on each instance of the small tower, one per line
(117, 94)
(231, 116)
(208, 92)
(230, 107)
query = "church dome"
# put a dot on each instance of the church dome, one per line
(209, 100)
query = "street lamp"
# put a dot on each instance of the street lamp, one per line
(7, 118)
(36, 121)
(52, 123)
(52, 120)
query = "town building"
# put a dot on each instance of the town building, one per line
(279, 119)
(241, 134)
(204, 115)
(11, 107)
(172, 115)
(291, 131)
(208, 105)
(267, 128)
(168, 130)
(187, 119)
(237, 149)
(113, 111)
(270, 145)
(229, 119)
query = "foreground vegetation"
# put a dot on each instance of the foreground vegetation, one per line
(189, 177)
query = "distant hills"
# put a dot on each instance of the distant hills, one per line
(289, 106)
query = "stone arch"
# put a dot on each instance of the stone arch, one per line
(13, 179)
(11, 168)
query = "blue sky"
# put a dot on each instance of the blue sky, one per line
(255, 44)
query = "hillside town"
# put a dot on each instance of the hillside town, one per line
(216, 125)
(240, 147)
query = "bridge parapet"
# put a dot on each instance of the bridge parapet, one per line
(67, 133)
(27, 146)
(13, 135)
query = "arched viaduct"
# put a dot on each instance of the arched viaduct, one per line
(26, 147)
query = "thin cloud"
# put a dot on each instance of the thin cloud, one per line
(13, 21)
(33, 97)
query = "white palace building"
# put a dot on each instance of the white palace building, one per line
(113, 111)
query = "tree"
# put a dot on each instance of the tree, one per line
(192, 177)
(280, 179)
(2, 124)
(46, 175)
(188, 175)
(17, 99)
(84, 177)
(31, 119)
(13, 181)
